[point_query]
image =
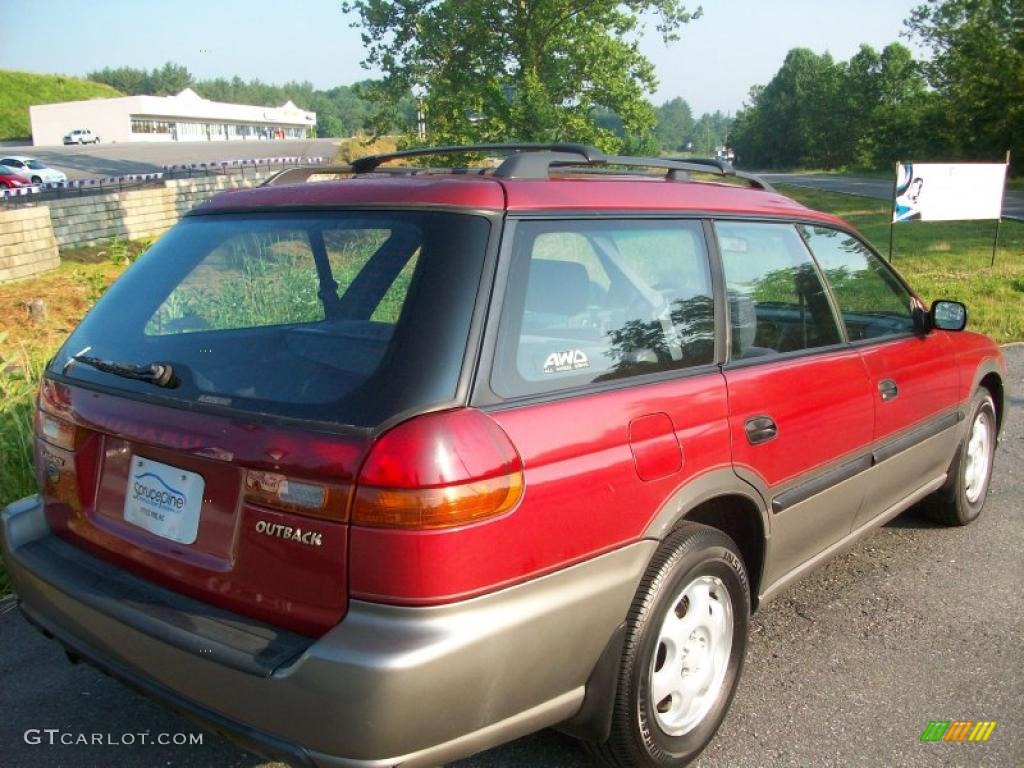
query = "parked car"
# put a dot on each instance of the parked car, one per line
(38, 172)
(390, 470)
(12, 179)
(81, 136)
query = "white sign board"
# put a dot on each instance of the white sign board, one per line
(949, 191)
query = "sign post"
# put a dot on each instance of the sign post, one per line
(892, 206)
(999, 221)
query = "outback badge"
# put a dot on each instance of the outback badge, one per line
(280, 531)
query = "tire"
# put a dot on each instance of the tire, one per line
(36, 180)
(695, 567)
(961, 499)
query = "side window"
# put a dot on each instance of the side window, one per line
(872, 301)
(777, 302)
(591, 301)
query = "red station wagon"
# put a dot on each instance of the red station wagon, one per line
(392, 469)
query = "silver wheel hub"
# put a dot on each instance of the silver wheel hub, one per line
(691, 656)
(979, 457)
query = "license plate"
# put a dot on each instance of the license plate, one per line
(164, 500)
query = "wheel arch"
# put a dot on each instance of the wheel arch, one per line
(989, 375)
(723, 500)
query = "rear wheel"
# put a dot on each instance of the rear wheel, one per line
(685, 643)
(961, 499)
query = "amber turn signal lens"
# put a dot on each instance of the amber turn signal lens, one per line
(429, 508)
(274, 490)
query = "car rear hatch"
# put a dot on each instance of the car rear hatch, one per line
(204, 426)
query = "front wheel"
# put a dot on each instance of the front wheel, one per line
(686, 636)
(961, 499)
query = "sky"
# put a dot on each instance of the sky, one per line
(735, 45)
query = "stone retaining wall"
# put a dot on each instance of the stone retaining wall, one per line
(31, 236)
(27, 245)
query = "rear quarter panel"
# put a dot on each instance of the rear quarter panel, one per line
(583, 494)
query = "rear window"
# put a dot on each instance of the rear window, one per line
(345, 317)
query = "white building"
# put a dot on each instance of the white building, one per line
(185, 117)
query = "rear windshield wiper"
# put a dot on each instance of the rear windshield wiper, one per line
(160, 374)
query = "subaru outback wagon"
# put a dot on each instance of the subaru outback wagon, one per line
(391, 469)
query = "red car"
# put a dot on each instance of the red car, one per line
(392, 469)
(11, 179)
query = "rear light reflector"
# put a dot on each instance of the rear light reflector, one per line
(302, 497)
(438, 471)
(56, 432)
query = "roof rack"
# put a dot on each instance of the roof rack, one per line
(527, 161)
(303, 172)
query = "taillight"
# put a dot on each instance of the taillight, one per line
(437, 471)
(270, 489)
(53, 416)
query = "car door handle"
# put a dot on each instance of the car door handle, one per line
(760, 429)
(888, 390)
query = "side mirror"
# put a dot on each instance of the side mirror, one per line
(948, 315)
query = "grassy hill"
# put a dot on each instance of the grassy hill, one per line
(19, 90)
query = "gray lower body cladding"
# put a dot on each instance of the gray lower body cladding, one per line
(389, 685)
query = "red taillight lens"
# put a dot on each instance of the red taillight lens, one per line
(438, 471)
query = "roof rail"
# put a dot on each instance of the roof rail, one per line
(729, 170)
(579, 151)
(526, 161)
(303, 172)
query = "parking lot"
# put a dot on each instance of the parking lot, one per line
(92, 160)
(916, 623)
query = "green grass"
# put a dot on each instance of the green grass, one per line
(20, 90)
(944, 260)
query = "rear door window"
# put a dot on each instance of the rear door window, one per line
(777, 301)
(592, 301)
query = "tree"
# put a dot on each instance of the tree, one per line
(675, 125)
(170, 79)
(797, 119)
(506, 70)
(977, 67)
(128, 80)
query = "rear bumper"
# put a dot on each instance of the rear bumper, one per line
(389, 685)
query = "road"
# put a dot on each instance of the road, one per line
(93, 160)
(1013, 199)
(916, 623)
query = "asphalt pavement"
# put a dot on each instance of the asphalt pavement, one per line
(916, 623)
(95, 160)
(1013, 199)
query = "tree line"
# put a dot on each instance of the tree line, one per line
(344, 110)
(964, 102)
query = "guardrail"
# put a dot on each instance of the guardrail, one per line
(134, 180)
(228, 164)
